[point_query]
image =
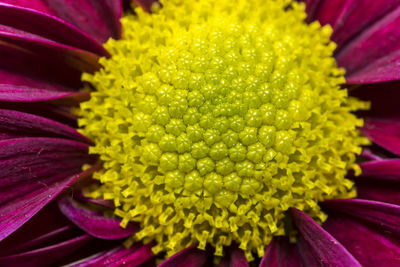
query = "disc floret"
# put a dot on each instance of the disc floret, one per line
(213, 118)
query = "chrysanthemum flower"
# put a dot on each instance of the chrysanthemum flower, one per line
(199, 133)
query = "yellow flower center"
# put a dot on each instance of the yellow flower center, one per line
(212, 118)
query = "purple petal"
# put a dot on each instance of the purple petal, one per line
(17, 124)
(133, 256)
(80, 59)
(350, 17)
(368, 154)
(330, 12)
(385, 133)
(378, 41)
(382, 169)
(49, 27)
(311, 8)
(378, 190)
(281, 253)
(382, 215)
(384, 69)
(99, 18)
(60, 114)
(383, 97)
(94, 223)
(44, 229)
(145, 4)
(34, 171)
(97, 201)
(29, 159)
(326, 249)
(234, 257)
(45, 256)
(188, 257)
(369, 247)
(21, 67)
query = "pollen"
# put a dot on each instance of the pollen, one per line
(213, 118)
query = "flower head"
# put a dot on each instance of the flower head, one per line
(217, 133)
(213, 124)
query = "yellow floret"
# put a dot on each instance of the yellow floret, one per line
(212, 118)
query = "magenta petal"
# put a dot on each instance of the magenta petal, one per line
(145, 4)
(382, 169)
(368, 154)
(20, 87)
(94, 223)
(49, 27)
(29, 159)
(330, 12)
(24, 68)
(120, 256)
(382, 70)
(383, 215)
(34, 171)
(385, 99)
(378, 41)
(57, 113)
(311, 8)
(188, 257)
(281, 253)
(385, 133)
(80, 59)
(17, 124)
(45, 256)
(97, 201)
(234, 257)
(358, 15)
(369, 247)
(326, 249)
(98, 18)
(378, 190)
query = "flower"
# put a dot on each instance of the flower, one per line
(216, 135)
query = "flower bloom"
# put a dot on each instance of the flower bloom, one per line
(210, 133)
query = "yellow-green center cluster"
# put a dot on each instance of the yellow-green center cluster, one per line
(212, 118)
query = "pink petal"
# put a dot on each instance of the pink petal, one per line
(234, 257)
(38, 66)
(384, 69)
(49, 27)
(357, 16)
(98, 18)
(17, 124)
(281, 253)
(94, 223)
(97, 201)
(47, 227)
(385, 133)
(80, 59)
(311, 8)
(133, 256)
(307, 253)
(384, 216)
(188, 257)
(34, 171)
(326, 249)
(45, 256)
(368, 154)
(57, 113)
(379, 41)
(388, 170)
(369, 247)
(378, 190)
(330, 12)
(383, 97)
